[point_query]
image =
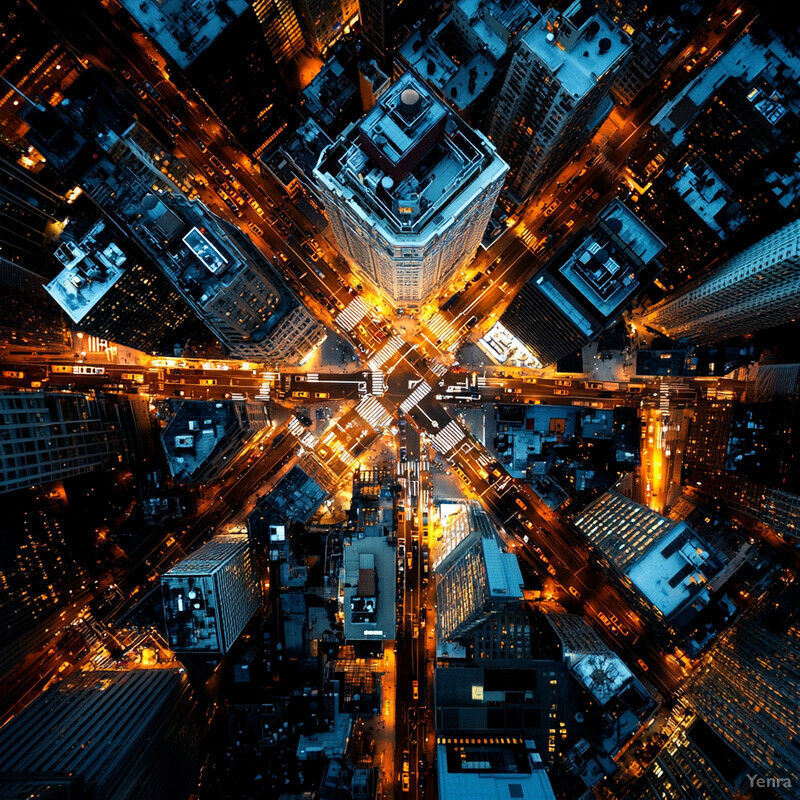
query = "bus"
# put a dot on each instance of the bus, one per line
(136, 377)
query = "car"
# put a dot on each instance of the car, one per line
(561, 392)
(574, 592)
(491, 268)
(303, 420)
(415, 632)
(175, 121)
(551, 570)
(208, 381)
(300, 394)
(643, 665)
(476, 277)
(256, 230)
(415, 689)
(563, 383)
(406, 782)
(551, 208)
(522, 505)
(472, 321)
(321, 395)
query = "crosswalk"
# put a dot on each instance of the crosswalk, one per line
(441, 327)
(386, 352)
(481, 382)
(378, 384)
(350, 316)
(296, 427)
(373, 413)
(448, 437)
(267, 379)
(440, 370)
(415, 396)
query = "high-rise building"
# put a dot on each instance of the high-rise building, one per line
(409, 191)
(41, 577)
(745, 455)
(49, 436)
(477, 577)
(586, 286)
(758, 288)
(386, 23)
(210, 596)
(747, 690)
(110, 735)
(31, 319)
(251, 43)
(214, 265)
(111, 293)
(464, 57)
(663, 566)
(555, 92)
(202, 438)
(325, 21)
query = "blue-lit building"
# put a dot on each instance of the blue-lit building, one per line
(210, 596)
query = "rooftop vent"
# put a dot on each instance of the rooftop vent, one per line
(409, 103)
(605, 45)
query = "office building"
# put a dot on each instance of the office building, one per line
(387, 23)
(203, 438)
(35, 61)
(490, 766)
(663, 565)
(113, 294)
(408, 192)
(694, 764)
(555, 92)
(251, 43)
(213, 264)
(367, 588)
(463, 58)
(586, 286)
(332, 97)
(577, 637)
(476, 577)
(50, 436)
(758, 288)
(210, 596)
(744, 455)
(326, 21)
(106, 735)
(747, 691)
(40, 573)
(31, 319)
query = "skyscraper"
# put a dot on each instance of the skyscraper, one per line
(477, 578)
(747, 691)
(211, 595)
(124, 734)
(555, 92)
(409, 191)
(111, 293)
(49, 436)
(251, 43)
(586, 286)
(758, 288)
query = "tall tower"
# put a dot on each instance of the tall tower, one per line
(409, 191)
(49, 436)
(748, 689)
(477, 577)
(555, 92)
(210, 596)
(758, 288)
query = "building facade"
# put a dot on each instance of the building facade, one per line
(49, 436)
(555, 92)
(476, 578)
(756, 289)
(111, 294)
(409, 191)
(126, 734)
(210, 596)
